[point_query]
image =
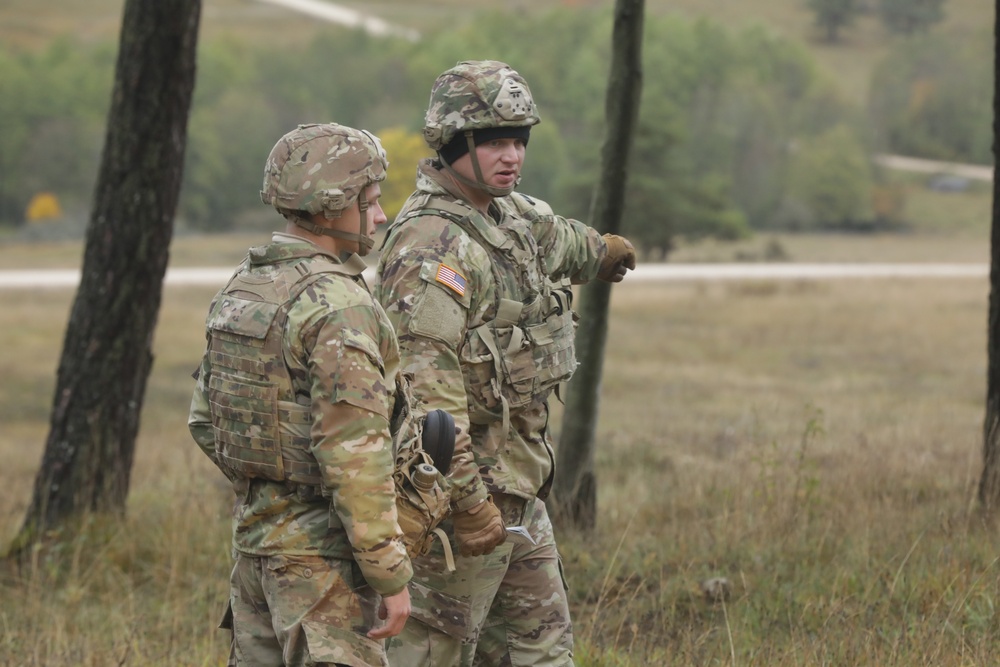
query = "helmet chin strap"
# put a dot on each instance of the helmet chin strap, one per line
(479, 183)
(365, 243)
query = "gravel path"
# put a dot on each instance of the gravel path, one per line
(32, 279)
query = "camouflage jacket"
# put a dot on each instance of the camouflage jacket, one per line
(444, 283)
(329, 491)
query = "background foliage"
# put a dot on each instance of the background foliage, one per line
(740, 129)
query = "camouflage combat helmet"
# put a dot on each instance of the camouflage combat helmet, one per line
(323, 169)
(477, 98)
(474, 95)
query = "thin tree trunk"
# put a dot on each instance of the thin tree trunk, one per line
(106, 356)
(989, 483)
(575, 487)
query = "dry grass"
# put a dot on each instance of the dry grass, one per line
(815, 443)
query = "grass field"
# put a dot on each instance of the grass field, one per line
(817, 444)
(942, 227)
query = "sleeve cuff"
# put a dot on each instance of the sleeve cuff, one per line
(477, 495)
(384, 578)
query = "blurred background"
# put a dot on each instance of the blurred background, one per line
(778, 116)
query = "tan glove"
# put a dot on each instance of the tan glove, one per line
(621, 256)
(479, 530)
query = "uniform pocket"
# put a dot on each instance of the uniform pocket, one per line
(482, 387)
(443, 612)
(329, 645)
(360, 374)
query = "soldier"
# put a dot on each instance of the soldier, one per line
(292, 403)
(468, 276)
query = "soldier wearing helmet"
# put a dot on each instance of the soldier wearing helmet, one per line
(293, 403)
(323, 170)
(476, 277)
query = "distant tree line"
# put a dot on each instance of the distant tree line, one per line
(900, 17)
(932, 97)
(738, 131)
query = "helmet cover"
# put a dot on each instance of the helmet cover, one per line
(474, 95)
(322, 168)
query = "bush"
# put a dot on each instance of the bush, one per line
(830, 183)
(932, 97)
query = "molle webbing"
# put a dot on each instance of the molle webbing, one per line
(260, 431)
(531, 345)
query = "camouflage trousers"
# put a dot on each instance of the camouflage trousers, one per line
(508, 608)
(301, 611)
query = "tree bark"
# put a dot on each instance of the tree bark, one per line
(106, 356)
(575, 486)
(989, 483)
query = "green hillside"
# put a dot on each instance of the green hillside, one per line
(731, 113)
(28, 23)
(850, 61)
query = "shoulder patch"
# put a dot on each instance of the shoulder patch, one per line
(451, 279)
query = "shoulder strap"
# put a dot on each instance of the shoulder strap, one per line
(468, 219)
(524, 205)
(303, 274)
(316, 266)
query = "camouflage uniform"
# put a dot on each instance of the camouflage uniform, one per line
(292, 403)
(487, 336)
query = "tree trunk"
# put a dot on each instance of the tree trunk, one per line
(575, 486)
(989, 483)
(106, 356)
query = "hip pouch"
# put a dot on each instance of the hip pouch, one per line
(422, 451)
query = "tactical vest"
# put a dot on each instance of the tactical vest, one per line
(260, 430)
(528, 347)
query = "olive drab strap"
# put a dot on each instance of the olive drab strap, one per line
(508, 315)
(560, 317)
(260, 431)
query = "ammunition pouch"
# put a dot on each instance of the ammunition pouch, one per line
(527, 349)
(512, 361)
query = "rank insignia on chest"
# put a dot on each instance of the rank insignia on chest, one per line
(451, 279)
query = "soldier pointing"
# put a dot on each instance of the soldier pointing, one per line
(476, 279)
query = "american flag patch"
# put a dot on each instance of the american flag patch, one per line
(451, 278)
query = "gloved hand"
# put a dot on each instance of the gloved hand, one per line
(479, 530)
(621, 256)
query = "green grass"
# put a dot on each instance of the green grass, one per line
(815, 443)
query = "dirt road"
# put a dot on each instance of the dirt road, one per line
(645, 272)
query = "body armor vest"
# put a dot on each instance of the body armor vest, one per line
(527, 348)
(260, 430)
